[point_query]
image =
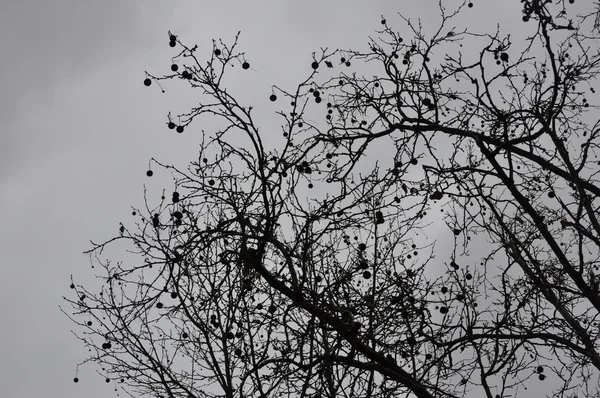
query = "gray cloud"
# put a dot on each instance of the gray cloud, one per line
(46, 44)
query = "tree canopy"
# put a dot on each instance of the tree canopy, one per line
(302, 264)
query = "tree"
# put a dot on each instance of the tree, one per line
(254, 282)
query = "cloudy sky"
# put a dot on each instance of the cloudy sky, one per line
(78, 129)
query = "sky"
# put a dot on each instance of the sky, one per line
(78, 128)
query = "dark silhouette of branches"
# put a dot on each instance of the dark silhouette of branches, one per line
(294, 265)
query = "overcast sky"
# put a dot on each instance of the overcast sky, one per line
(78, 128)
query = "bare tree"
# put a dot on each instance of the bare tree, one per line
(280, 267)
